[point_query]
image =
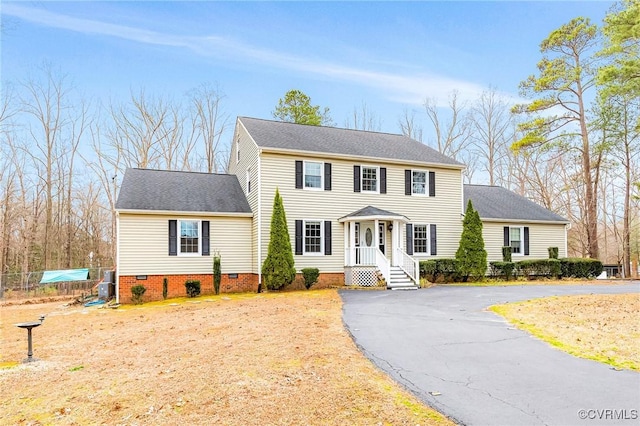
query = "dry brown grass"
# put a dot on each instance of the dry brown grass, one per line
(274, 359)
(604, 328)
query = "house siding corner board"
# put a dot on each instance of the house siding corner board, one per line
(330, 205)
(249, 155)
(247, 282)
(144, 240)
(541, 237)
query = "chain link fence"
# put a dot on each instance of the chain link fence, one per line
(20, 286)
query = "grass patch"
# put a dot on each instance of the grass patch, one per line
(604, 328)
(233, 359)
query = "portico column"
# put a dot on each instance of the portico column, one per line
(347, 252)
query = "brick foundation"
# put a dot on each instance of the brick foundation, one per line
(175, 288)
(325, 280)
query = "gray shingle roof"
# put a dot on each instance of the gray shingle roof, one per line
(495, 202)
(290, 136)
(144, 189)
(373, 211)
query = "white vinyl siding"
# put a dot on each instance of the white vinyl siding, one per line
(541, 237)
(277, 172)
(144, 245)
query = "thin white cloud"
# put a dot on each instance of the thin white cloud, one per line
(402, 88)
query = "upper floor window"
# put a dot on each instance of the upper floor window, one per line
(369, 179)
(418, 182)
(248, 183)
(189, 237)
(313, 175)
(237, 150)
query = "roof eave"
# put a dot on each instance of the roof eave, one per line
(402, 219)
(185, 213)
(501, 220)
(271, 150)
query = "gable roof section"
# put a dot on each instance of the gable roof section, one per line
(161, 190)
(278, 135)
(370, 211)
(495, 202)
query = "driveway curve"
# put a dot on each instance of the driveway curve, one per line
(471, 365)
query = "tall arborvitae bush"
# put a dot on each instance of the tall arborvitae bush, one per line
(217, 273)
(471, 255)
(278, 269)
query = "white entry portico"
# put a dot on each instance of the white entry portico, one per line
(373, 248)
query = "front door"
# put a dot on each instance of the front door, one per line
(382, 236)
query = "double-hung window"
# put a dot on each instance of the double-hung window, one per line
(313, 175)
(189, 237)
(418, 182)
(515, 240)
(313, 237)
(421, 239)
(370, 179)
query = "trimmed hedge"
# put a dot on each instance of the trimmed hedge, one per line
(580, 268)
(445, 270)
(504, 270)
(546, 268)
(192, 287)
(310, 276)
(553, 252)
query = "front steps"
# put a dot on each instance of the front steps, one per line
(400, 281)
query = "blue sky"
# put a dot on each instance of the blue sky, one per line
(389, 55)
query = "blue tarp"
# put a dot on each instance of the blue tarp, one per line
(65, 275)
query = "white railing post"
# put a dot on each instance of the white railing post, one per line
(382, 263)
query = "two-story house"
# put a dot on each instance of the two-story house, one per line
(361, 207)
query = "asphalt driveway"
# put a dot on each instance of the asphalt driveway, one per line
(468, 363)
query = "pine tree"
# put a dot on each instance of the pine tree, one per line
(471, 255)
(278, 269)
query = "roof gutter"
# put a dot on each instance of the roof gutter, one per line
(182, 213)
(543, 222)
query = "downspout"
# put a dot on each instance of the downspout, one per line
(117, 257)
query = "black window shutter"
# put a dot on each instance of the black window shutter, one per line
(383, 180)
(434, 241)
(327, 237)
(327, 176)
(409, 238)
(507, 240)
(432, 184)
(205, 238)
(173, 238)
(526, 241)
(298, 237)
(298, 174)
(356, 178)
(407, 182)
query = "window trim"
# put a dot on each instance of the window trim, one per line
(521, 228)
(427, 239)
(378, 181)
(304, 238)
(426, 183)
(179, 238)
(304, 175)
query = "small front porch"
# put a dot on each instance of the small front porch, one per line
(373, 250)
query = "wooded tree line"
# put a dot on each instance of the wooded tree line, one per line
(574, 148)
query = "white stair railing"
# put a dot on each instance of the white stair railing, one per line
(384, 265)
(409, 265)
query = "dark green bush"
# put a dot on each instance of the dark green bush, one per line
(539, 268)
(553, 252)
(217, 274)
(445, 270)
(165, 288)
(502, 269)
(506, 253)
(310, 276)
(137, 291)
(192, 287)
(580, 268)
(471, 255)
